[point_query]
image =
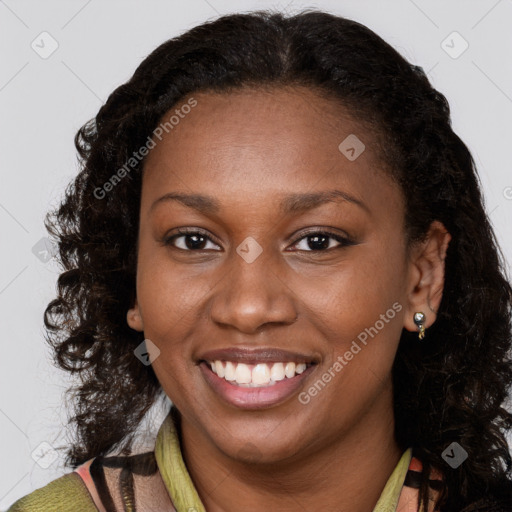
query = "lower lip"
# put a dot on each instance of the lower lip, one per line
(254, 398)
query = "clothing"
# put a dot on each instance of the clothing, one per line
(65, 493)
(85, 489)
(185, 497)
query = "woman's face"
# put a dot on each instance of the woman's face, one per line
(254, 284)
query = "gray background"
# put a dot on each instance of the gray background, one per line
(44, 101)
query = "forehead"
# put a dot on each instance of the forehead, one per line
(306, 122)
(263, 141)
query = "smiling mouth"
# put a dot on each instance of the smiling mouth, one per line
(259, 375)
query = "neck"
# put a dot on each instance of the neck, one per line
(345, 474)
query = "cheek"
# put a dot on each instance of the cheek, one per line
(169, 304)
(359, 310)
(355, 293)
(169, 298)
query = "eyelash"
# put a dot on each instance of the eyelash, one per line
(343, 241)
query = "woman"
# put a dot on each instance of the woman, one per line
(276, 227)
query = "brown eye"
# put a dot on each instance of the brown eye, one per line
(322, 241)
(189, 240)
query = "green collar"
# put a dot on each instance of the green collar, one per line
(391, 493)
(173, 470)
(184, 495)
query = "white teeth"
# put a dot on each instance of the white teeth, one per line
(258, 375)
(300, 368)
(229, 371)
(219, 369)
(243, 374)
(277, 372)
(261, 374)
(289, 370)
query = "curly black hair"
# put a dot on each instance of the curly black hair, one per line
(449, 389)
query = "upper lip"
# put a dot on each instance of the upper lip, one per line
(257, 355)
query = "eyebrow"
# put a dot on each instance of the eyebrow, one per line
(292, 204)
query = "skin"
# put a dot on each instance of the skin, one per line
(249, 149)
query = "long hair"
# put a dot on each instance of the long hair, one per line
(451, 388)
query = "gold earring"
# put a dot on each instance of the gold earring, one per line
(419, 320)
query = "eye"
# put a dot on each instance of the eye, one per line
(318, 241)
(192, 240)
(315, 241)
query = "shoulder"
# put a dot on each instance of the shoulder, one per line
(102, 484)
(130, 483)
(497, 499)
(65, 494)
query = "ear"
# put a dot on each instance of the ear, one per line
(134, 318)
(426, 276)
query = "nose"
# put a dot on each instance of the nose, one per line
(252, 295)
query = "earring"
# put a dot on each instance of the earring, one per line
(419, 320)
